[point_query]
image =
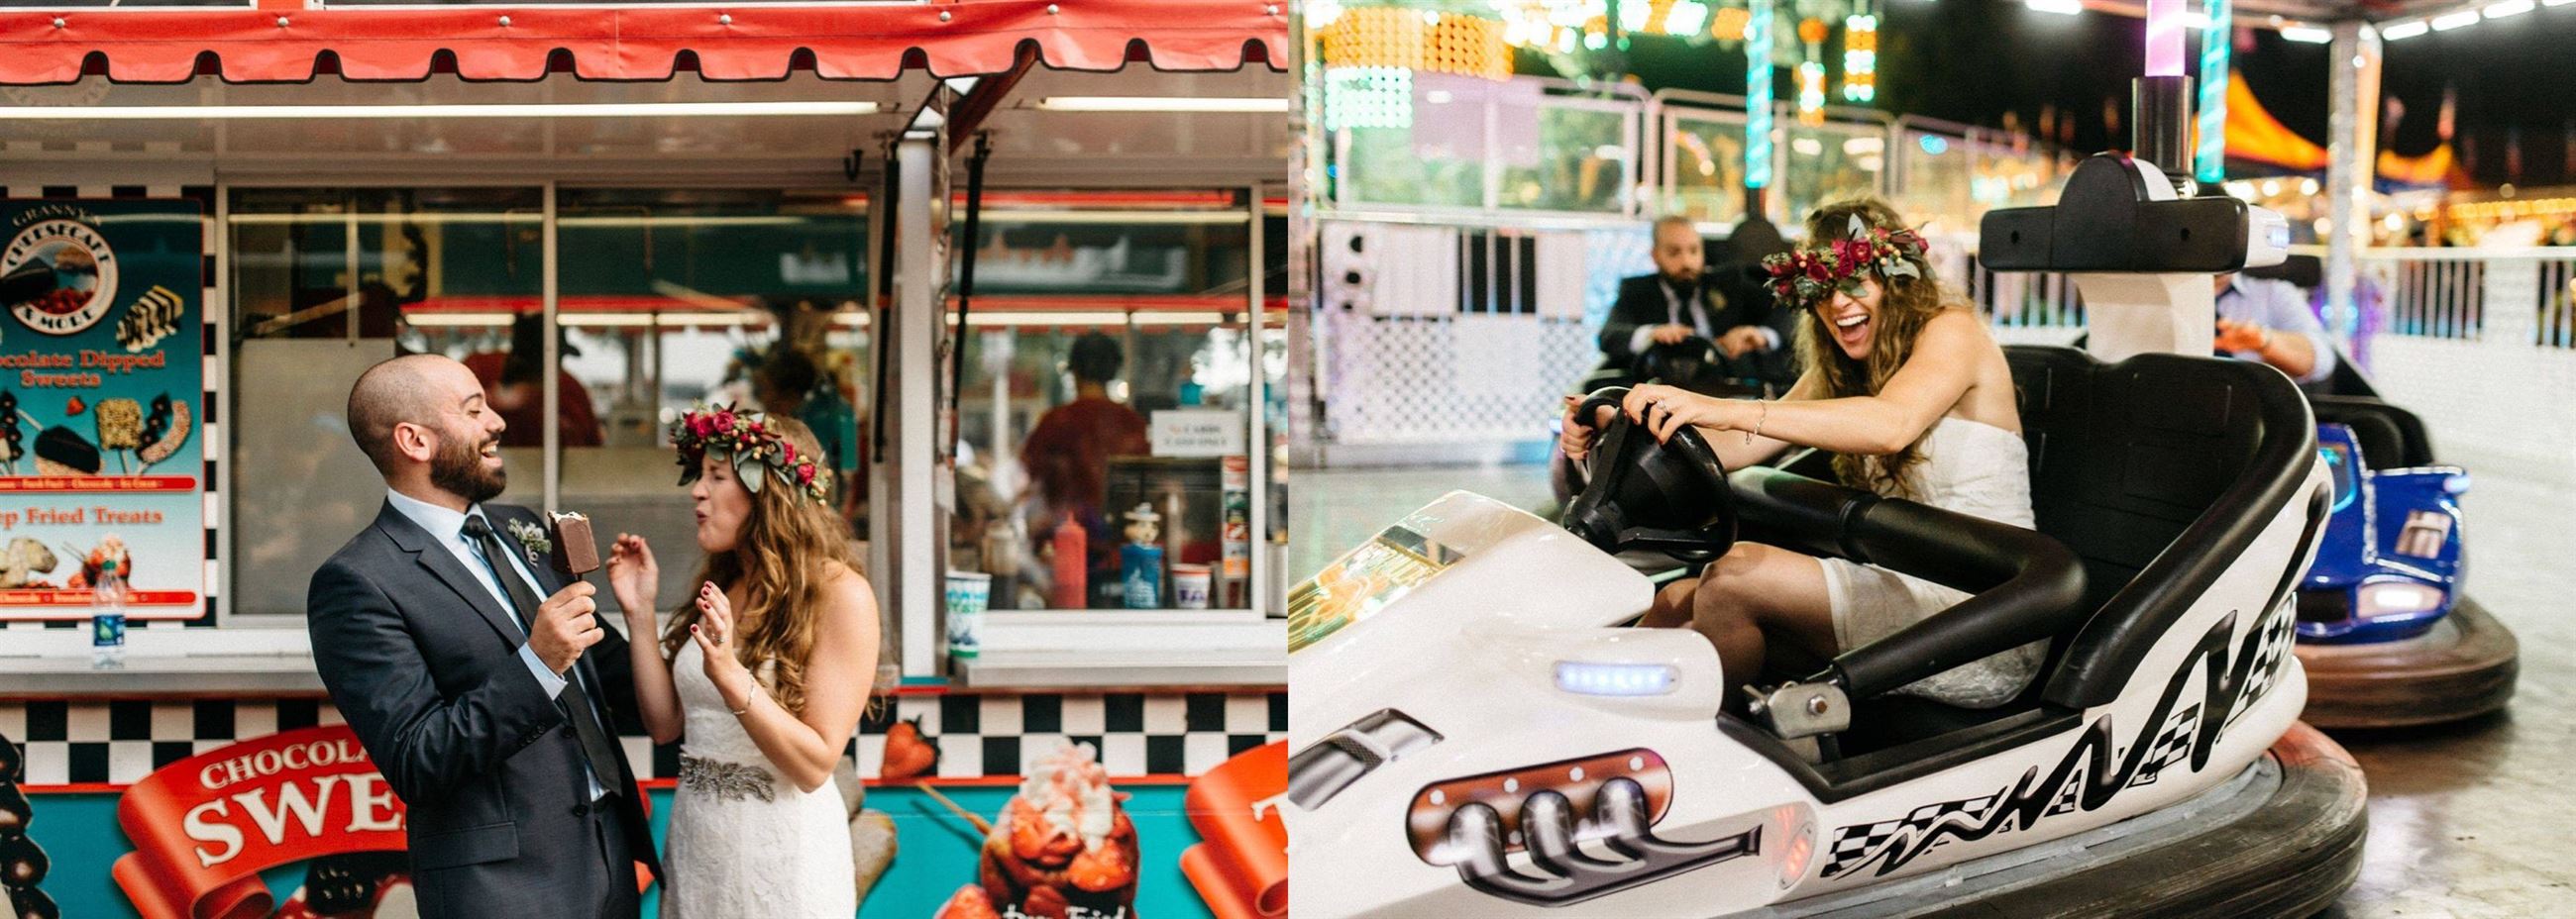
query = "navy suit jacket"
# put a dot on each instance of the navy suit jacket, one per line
(423, 662)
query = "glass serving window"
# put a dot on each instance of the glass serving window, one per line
(1108, 368)
(672, 299)
(324, 284)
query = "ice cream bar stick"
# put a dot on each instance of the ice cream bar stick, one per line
(981, 825)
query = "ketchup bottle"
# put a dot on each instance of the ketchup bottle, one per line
(1072, 565)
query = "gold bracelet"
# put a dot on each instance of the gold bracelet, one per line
(1758, 422)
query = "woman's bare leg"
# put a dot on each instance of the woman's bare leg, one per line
(1673, 606)
(1757, 594)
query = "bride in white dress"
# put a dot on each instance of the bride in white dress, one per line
(761, 677)
(1913, 397)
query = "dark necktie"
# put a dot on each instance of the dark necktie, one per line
(595, 745)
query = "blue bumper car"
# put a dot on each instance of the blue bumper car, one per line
(2388, 637)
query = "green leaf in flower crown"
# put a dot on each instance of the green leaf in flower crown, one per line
(1859, 228)
(1903, 269)
(751, 482)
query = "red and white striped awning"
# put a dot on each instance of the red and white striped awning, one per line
(491, 42)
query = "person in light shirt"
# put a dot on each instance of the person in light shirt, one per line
(2262, 319)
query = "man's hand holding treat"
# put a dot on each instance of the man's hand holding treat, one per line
(565, 627)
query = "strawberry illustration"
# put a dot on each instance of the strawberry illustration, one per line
(969, 902)
(908, 754)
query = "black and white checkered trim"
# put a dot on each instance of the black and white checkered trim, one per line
(2172, 746)
(211, 311)
(1854, 846)
(2279, 633)
(979, 735)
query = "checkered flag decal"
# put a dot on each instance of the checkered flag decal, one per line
(2269, 654)
(1856, 846)
(2172, 746)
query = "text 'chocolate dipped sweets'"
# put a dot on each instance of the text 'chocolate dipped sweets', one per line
(576, 550)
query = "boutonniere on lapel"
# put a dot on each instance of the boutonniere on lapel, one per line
(532, 538)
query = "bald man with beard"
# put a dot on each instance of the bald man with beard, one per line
(481, 683)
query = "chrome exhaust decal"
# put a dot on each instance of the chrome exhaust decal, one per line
(1583, 828)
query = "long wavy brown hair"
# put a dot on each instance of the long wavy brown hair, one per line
(778, 560)
(1904, 305)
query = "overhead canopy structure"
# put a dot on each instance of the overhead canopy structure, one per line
(2256, 138)
(479, 42)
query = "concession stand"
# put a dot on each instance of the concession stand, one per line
(219, 214)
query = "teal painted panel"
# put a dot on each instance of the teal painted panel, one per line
(936, 852)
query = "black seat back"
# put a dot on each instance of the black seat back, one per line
(2161, 465)
(2390, 437)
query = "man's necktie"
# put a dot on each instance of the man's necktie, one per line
(595, 744)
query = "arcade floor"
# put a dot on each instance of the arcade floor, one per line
(2471, 820)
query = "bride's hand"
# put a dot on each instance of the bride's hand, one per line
(632, 575)
(1665, 409)
(716, 643)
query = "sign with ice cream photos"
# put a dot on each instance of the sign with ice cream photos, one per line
(101, 372)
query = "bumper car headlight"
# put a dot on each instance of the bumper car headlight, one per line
(2394, 598)
(1595, 679)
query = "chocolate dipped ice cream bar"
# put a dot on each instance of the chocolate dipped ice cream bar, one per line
(576, 549)
(60, 451)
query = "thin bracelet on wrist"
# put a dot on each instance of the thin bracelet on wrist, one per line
(748, 697)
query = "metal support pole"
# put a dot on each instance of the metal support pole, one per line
(549, 273)
(919, 510)
(1257, 390)
(2352, 143)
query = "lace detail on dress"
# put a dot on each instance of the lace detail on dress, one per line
(727, 780)
(743, 840)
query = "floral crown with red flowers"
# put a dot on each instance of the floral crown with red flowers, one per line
(746, 437)
(1812, 274)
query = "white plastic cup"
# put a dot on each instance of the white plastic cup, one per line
(1190, 586)
(969, 593)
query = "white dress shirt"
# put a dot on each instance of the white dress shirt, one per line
(448, 527)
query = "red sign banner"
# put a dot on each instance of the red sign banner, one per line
(150, 484)
(206, 826)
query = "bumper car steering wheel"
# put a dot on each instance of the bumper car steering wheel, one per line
(1671, 497)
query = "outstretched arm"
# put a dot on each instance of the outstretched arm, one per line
(425, 744)
(632, 576)
(1734, 450)
(1931, 382)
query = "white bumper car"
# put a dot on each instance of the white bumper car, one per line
(1475, 730)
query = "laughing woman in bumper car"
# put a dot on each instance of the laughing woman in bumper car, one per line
(1912, 397)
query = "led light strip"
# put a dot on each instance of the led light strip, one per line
(1219, 104)
(494, 110)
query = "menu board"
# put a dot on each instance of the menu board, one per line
(102, 370)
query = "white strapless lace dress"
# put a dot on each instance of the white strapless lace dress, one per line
(1971, 468)
(743, 841)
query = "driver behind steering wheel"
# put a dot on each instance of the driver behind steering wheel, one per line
(1912, 396)
(1682, 300)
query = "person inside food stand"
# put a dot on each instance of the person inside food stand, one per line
(2268, 320)
(518, 392)
(1067, 454)
(788, 382)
